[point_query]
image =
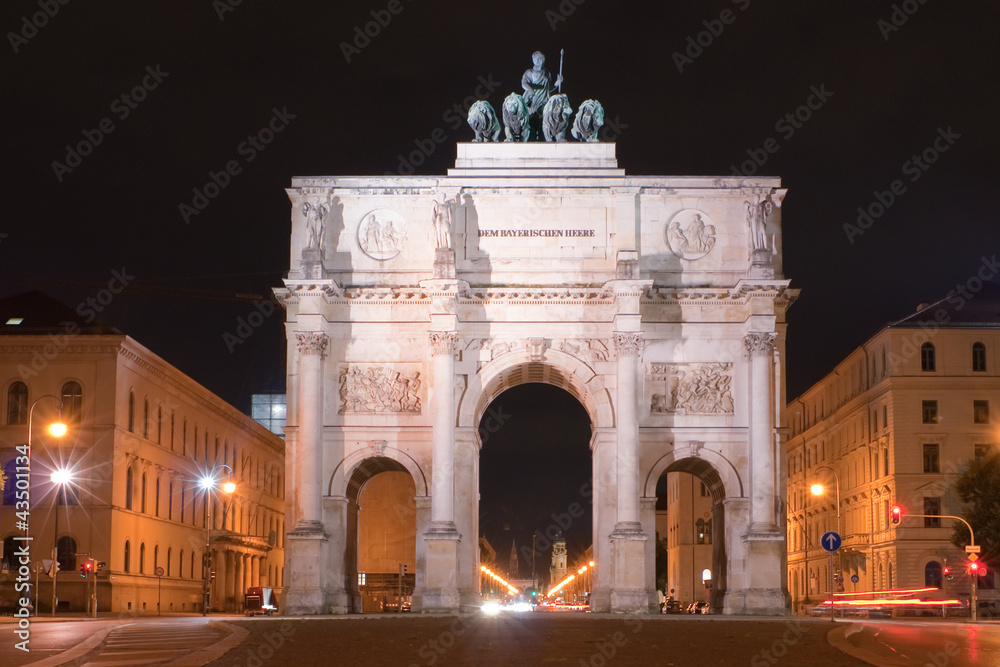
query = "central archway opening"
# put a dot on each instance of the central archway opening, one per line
(535, 514)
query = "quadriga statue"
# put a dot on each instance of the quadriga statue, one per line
(555, 118)
(515, 118)
(589, 120)
(483, 121)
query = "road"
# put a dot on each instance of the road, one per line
(904, 643)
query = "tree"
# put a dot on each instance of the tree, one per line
(978, 488)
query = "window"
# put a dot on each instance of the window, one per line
(66, 553)
(932, 506)
(982, 451)
(131, 413)
(142, 498)
(929, 412)
(980, 412)
(978, 358)
(170, 501)
(700, 531)
(72, 401)
(170, 552)
(156, 500)
(192, 565)
(183, 494)
(704, 487)
(180, 565)
(927, 362)
(156, 557)
(145, 418)
(159, 425)
(129, 485)
(128, 556)
(142, 558)
(17, 403)
(932, 458)
(885, 461)
(932, 574)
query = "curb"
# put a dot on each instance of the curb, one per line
(216, 650)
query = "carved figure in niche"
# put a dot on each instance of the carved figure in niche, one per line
(442, 223)
(515, 118)
(381, 234)
(483, 121)
(689, 235)
(589, 120)
(315, 214)
(701, 389)
(555, 118)
(537, 84)
(757, 212)
(378, 389)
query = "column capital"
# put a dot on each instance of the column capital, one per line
(759, 343)
(443, 342)
(311, 342)
(627, 343)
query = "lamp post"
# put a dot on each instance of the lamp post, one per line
(60, 477)
(817, 490)
(208, 484)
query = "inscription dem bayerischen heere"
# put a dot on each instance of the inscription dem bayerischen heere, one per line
(565, 233)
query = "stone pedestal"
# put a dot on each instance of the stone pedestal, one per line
(764, 593)
(441, 592)
(304, 593)
(628, 546)
(312, 263)
(761, 265)
(444, 263)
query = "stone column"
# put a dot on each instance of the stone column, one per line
(254, 571)
(441, 537)
(306, 542)
(312, 346)
(760, 349)
(628, 592)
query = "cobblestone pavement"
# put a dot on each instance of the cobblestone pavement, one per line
(535, 639)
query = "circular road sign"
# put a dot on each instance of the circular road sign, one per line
(855, 578)
(159, 572)
(830, 541)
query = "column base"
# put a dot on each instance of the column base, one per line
(304, 594)
(441, 592)
(756, 602)
(628, 549)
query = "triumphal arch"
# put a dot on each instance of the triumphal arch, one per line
(657, 301)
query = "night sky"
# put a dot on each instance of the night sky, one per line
(690, 88)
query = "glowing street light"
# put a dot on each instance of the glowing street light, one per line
(817, 489)
(55, 429)
(208, 483)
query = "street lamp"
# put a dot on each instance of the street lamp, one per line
(818, 490)
(56, 429)
(208, 483)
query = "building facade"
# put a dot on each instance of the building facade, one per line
(658, 302)
(896, 421)
(141, 437)
(687, 527)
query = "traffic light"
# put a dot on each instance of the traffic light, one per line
(534, 593)
(896, 514)
(86, 568)
(948, 576)
(974, 567)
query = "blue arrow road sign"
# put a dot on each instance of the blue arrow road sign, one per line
(830, 541)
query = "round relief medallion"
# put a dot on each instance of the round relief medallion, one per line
(381, 234)
(690, 234)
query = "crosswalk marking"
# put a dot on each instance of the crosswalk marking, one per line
(155, 642)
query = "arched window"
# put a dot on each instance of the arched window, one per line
(10, 488)
(170, 501)
(169, 558)
(66, 553)
(979, 357)
(129, 486)
(159, 425)
(180, 565)
(700, 531)
(156, 557)
(128, 556)
(192, 565)
(183, 498)
(927, 361)
(142, 498)
(156, 500)
(17, 403)
(145, 418)
(184, 438)
(708, 532)
(131, 412)
(142, 558)
(72, 401)
(932, 574)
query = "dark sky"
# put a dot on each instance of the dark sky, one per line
(888, 93)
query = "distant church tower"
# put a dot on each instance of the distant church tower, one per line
(513, 566)
(558, 570)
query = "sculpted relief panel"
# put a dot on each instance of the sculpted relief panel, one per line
(378, 389)
(693, 389)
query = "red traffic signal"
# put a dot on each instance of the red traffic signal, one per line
(896, 514)
(86, 568)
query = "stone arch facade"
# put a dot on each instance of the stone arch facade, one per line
(412, 302)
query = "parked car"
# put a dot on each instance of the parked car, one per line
(699, 607)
